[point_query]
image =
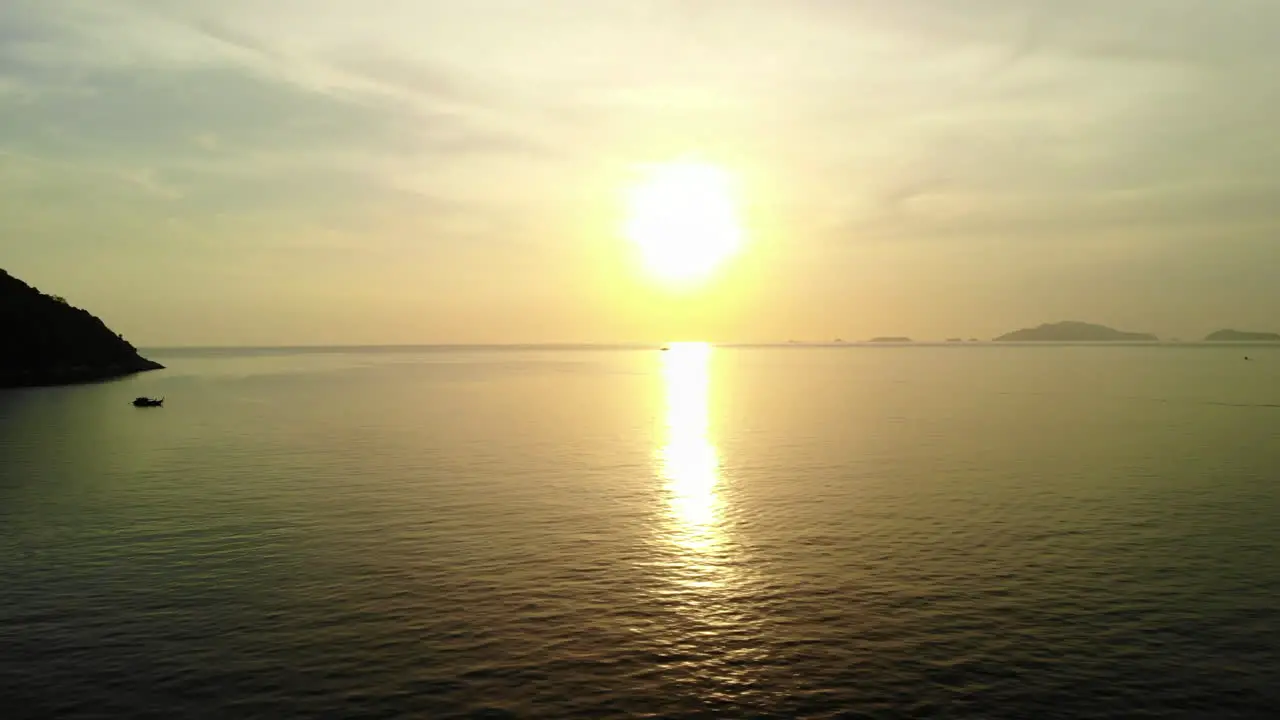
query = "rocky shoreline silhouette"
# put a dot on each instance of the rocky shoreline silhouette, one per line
(47, 341)
(1242, 336)
(1073, 331)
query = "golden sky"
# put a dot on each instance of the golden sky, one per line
(327, 172)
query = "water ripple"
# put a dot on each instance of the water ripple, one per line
(609, 535)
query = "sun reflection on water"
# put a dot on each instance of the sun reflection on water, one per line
(707, 581)
(690, 464)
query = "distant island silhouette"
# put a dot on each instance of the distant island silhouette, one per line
(47, 341)
(1073, 331)
(890, 340)
(1242, 336)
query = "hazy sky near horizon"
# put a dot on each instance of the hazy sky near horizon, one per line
(328, 171)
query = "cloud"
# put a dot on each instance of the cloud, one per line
(235, 126)
(160, 111)
(1119, 120)
(232, 37)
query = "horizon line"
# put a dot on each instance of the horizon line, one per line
(657, 345)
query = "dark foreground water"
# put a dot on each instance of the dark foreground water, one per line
(986, 532)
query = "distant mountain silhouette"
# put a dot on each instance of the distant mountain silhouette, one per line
(46, 341)
(891, 340)
(1071, 331)
(1242, 336)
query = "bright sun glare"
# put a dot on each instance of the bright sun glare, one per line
(683, 216)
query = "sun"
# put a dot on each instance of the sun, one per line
(683, 216)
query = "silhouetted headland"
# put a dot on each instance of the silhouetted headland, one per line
(1242, 336)
(47, 341)
(891, 340)
(1072, 331)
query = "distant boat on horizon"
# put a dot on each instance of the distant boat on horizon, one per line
(148, 402)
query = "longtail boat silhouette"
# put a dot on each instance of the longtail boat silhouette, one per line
(147, 402)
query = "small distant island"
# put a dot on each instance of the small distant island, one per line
(1072, 331)
(1242, 336)
(47, 341)
(890, 340)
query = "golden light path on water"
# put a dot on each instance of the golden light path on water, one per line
(708, 578)
(690, 465)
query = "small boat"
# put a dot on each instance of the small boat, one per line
(147, 402)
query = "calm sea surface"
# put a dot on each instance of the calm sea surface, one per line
(985, 532)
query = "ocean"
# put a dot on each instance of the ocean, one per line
(973, 531)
